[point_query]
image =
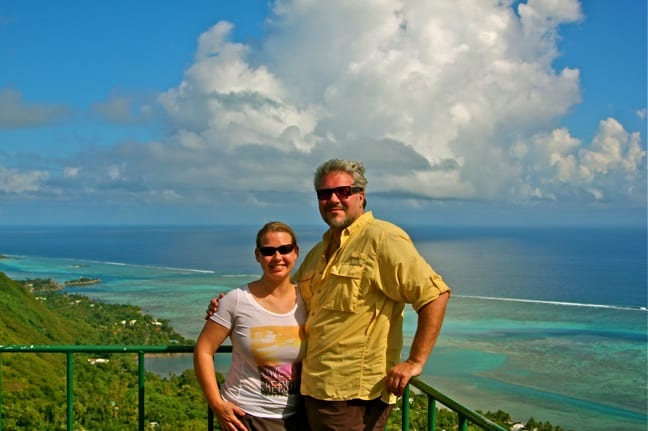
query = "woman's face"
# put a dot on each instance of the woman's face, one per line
(277, 266)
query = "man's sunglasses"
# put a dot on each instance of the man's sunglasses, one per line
(282, 249)
(341, 192)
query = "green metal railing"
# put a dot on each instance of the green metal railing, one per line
(69, 351)
(464, 414)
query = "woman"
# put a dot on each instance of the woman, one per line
(264, 321)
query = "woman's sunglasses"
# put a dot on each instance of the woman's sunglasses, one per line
(282, 249)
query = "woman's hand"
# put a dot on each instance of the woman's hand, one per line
(228, 416)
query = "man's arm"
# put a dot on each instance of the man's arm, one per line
(430, 319)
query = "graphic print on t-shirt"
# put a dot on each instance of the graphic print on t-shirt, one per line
(269, 344)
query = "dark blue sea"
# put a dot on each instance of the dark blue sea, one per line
(549, 322)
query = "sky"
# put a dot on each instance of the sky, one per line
(472, 112)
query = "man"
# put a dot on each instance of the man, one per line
(356, 282)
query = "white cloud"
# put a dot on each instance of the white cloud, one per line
(611, 168)
(442, 100)
(71, 172)
(232, 103)
(124, 109)
(17, 182)
(16, 113)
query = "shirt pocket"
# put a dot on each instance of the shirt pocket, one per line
(344, 293)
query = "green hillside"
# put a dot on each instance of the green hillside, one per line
(25, 320)
(34, 385)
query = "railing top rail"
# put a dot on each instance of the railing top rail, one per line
(457, 407)
(80, 348)
(471, 415)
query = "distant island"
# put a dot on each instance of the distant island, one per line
(82, 281)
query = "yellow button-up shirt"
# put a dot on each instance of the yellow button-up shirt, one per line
(356, 302)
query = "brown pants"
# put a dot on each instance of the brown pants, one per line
(296, 422)
(352, 415)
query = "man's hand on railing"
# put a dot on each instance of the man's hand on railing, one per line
(400, 375)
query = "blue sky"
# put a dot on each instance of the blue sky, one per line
(211, 112)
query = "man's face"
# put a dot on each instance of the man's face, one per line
(339, 212)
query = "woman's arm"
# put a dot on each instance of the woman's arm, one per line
(209, 340)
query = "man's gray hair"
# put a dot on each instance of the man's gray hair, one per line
(352, 167)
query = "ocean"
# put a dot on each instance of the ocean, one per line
(548, 322)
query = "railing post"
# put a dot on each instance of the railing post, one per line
(0, 392)
(463, 423)
(405, 421)
(70, 390)
(140, 386)
(431, 416)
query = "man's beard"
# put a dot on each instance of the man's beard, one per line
(335, 221)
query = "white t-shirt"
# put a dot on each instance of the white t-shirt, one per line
(267, 350)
